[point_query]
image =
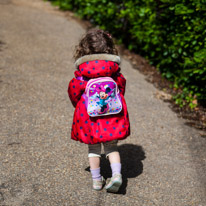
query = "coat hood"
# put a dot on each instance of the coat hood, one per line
(97, 65)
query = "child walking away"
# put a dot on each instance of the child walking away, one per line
(97, 93)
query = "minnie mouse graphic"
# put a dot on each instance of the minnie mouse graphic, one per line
(103, 96)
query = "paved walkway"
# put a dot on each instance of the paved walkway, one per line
(163, 159)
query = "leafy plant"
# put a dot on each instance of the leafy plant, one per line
(171, 34)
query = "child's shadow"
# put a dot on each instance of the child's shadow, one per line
(132, 166)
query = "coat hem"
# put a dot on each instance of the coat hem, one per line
(98, 142)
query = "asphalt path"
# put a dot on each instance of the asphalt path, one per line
(163, 161)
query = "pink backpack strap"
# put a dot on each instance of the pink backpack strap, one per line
(80, 78)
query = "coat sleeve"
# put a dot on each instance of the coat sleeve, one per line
(75, 90)
(121, 82)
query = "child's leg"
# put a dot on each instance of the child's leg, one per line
(94, 160)
(114, 157)
(112, 153)
(115, 164)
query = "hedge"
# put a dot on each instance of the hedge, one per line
(171, 34)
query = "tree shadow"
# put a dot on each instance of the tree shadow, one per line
(132, 166)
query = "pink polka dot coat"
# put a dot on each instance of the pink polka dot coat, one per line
(93, 130)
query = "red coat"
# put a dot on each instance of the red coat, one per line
(92, 130)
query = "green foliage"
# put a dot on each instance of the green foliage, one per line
(170, 33)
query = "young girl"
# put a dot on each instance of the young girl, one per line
(96, 56)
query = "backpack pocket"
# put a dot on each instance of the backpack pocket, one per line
(102, 97)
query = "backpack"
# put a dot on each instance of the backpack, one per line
(102, 97)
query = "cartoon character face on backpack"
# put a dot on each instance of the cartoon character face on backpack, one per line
(103, 93)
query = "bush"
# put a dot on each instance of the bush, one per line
(171, 34)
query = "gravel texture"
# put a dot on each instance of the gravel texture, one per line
(163, 160)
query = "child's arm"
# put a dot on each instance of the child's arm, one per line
(121, 82)
(75, 90)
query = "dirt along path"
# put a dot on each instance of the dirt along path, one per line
(163, 161)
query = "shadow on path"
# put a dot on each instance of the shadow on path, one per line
(132, 166)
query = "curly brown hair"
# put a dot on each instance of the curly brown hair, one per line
(95, 41)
